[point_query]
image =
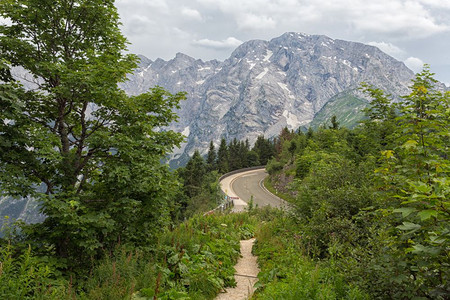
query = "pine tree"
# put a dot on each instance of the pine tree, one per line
(264, 148)
(309, 133)
(234, 157)
(211, 159)
(193, 174)
(222, 157)
(334, 123)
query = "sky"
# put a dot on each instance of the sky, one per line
(412, 31)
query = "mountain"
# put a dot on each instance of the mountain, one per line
(267, 85)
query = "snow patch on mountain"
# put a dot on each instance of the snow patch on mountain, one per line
(186, 131)
(291, 120)
(268, 56)
(262, 74)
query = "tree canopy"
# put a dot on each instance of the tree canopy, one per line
(76, 142)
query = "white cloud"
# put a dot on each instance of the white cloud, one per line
(252, 21)
(389, 48)
(139, 24)
(401, 28)
(191, 13)
(399, 18)
(179, 33)
(230, 42)
(395, 18)
(437, 3)
(154, 4)
(414, 63)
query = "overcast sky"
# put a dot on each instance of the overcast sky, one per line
(413, 31)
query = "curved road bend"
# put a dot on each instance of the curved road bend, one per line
(246, 184)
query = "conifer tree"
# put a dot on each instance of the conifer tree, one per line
(211, 159)
(222, 157)
(234, 155)
(264, 148)
(334, 123)
(193, 174)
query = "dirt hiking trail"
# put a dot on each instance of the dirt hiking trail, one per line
(246, 272)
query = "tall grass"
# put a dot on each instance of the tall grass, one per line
(288, 273)
(24, 275)
(195, 260)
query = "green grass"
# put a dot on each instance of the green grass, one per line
(347, 109)
(287, 273)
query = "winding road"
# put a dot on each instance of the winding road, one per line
(244, 185)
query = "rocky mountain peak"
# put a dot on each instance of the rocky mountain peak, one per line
(144, 61)
(266, 85)
(249, 48)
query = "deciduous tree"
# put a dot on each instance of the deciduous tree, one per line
(77, 143)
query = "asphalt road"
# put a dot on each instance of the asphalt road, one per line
(249, 184)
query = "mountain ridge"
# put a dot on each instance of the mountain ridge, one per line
(265, 85)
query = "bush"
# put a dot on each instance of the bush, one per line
(274, 166)
(26, 276)
(287, 273)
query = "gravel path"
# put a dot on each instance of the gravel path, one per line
(246, 271)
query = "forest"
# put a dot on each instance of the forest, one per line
(369, 207)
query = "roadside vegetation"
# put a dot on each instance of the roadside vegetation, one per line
(372, 203)
(194, 260)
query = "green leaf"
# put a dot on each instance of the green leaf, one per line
(421, 187)
(147, 292)
(173, 259)
(405, 211)
(411, 144)
(409, 226)
(437, 239)
(426, 214)
(423, 249)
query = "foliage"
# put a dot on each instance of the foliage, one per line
(193, 261)
(264, 148)
(236, 155)
(274, 166)
(373, 201)
(329, 197)
(223, 157)
(370, 216)
(287, 273)
(200, 191)
(193, 175)
(211, 159)
(89, 153)
(414, 179)
(24, 275)
(119, 276)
